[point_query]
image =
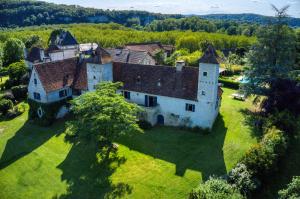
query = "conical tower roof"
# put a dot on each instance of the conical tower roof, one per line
(210, 56)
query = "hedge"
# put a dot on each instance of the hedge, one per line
(19, 92)
(50, 110)
(229, 83)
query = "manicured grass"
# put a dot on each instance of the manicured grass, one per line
(163, 162)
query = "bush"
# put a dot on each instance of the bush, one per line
(292, 191)
(5, 105)
(19, 92)
(8, 96)
(262, 158)
(241, 178)
(143, 124)
(229, 83)
(215, 188)
(14, 112)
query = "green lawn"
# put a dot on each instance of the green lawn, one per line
(163, 162)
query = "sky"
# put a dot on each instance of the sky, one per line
(191, 6)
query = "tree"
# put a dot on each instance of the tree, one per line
(17, 70)
(103, 115)
(13, 51)
(215, 188)
(271, 58)
(1, 56)
(292, 191)
(297, 62)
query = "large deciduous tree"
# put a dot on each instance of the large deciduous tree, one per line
(103, 115)
(271, 60)
(292, 191)
(13, 51)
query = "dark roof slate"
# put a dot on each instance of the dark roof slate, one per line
(158, 80)
(34, 55)
(210, 56)
(128, 56)
(65, 38)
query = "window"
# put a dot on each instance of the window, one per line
(35, 81)
(62, 93)
(126, 94)
(203, 93)
(204, 74)
(190, 107)
(94, 77)
(150, 101)
(36, 96)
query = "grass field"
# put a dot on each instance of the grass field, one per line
(163, 162)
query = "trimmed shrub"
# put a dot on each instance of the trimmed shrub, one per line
(241, 178)
(15, 111)
(215, 188)
(19, 92)
(262, 158)
(229, 83)
(143, 124)
(5, 105)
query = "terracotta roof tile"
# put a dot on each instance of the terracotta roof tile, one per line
(56, 75)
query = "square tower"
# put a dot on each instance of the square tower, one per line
(208, 78)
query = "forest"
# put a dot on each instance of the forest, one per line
(114, 35)
(22, 13)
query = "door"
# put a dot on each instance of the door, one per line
(160, 120)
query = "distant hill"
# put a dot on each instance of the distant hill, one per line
(15, 13)
(20, 13)
(250, 18)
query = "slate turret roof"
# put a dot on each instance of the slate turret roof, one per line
(65, 38)
(210, 56)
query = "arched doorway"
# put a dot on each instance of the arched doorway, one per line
(160, 120)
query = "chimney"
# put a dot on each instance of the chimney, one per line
(179, 65)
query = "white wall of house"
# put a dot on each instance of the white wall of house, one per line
(174, 111)
(97, 73)
(54, 95)
(36, 87)
(62, 54)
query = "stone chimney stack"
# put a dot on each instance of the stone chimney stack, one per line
(179, 65)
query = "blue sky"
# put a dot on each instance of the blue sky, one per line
(191, 6)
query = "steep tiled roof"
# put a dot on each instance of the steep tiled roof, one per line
(128, 56)
(34, 55)
(158, 80)
(210, 56)
(56, 75)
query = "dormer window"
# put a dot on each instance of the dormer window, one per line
(204, 74)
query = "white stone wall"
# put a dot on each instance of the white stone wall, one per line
(97, 73)
(173, 110)
(38, 88)
(61, 55)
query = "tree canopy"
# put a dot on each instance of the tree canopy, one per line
(103, 115)
(13, 51)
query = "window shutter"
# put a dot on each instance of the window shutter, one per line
(146, 100)
(154, 101)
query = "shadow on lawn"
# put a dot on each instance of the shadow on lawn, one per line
(28, 138)
(88, 176)
(186, 150)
